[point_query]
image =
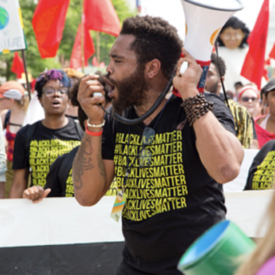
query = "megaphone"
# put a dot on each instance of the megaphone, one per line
(204, 20)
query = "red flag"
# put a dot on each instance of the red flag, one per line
(272, 52)
(17, 65)
(253, 66)
(48, 24)
(101, 16)
(89, 49)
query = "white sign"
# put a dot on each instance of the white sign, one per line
(11, 27)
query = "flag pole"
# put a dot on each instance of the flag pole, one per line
(82, 36)
(26, 73)
(98, 47)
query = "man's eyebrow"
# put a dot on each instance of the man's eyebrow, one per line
(116, 56)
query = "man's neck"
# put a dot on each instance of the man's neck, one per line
(153, 95)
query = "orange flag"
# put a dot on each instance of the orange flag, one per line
(17, 65)
(89, 49)
(48, 24)
(100, 15)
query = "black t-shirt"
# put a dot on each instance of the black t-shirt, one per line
(171, 202)
(60, 180)
(45, 146)
(262, 170)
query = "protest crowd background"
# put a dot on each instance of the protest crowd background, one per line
(43, 123)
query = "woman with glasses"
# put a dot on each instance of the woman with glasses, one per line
(38, 145)
(265, 124)
(59, 182)
(249, 98)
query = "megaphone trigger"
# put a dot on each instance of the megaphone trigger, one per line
(97, 94)
(183, 68)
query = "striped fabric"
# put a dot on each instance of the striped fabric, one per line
(243, 123)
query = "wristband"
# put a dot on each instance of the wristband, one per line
(93, 134)
(96, 126)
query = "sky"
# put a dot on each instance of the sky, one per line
(173, 12)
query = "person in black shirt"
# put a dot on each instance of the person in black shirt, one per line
(38, 145)
(244, 123)
(262, 170)
(59, 182)
(171, 166)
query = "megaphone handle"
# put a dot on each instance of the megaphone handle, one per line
(183, 67)
(204, 65)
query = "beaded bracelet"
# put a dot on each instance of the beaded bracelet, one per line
(195, 107)
(96, 125)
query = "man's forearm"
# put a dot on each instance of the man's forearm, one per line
(220, 151)
(16, 191)
(89, 172)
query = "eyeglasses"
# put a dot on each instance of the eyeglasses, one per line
(50, 91)
(246, 99)
(145, 155)
(228, 36)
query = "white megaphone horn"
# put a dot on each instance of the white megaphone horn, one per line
(204, 20)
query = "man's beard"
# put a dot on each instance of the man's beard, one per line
(213, 88)
(131, 90)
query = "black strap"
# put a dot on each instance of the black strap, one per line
(7, 118)
(67, 162)
(65, 167)
(223, 89)
(14, 124)
(29, 135)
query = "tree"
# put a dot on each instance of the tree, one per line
(106, 40)
(35, 64)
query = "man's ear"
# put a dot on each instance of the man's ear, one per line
(152, 68)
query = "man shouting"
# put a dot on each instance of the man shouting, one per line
(170, 167)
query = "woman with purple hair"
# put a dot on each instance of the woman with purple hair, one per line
(38, 145)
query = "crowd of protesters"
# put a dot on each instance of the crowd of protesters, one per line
(31, 150)
(36, 160)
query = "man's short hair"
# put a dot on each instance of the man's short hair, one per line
(219, 63)
(155, 38)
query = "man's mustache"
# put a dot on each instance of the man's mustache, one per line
(108, 80)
